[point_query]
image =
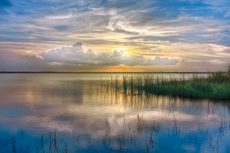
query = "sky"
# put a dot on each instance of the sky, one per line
(114, 35)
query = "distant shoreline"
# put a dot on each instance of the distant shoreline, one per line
(102, 72)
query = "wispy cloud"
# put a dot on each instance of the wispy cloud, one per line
(166, 29)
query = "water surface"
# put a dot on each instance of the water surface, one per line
(74, 113)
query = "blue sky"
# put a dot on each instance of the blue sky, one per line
(114, 35)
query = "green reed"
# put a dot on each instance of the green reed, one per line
(214, 86)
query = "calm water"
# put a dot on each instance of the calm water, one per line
(73, 113)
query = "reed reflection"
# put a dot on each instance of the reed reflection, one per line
(72, 115)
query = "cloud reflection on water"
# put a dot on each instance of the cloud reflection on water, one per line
(67, 105)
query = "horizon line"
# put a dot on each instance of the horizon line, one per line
(1, 72)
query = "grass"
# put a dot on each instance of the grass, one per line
(214, 86)
(193, 88)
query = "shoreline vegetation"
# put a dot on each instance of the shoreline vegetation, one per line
(215, 86)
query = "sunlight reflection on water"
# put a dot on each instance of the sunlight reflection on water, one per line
(73, 113)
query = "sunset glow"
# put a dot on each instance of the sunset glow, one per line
(114, 35)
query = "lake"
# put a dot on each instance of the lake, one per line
(74, 113)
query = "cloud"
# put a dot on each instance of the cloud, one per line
(164, 29)
(77, 55)
(13, 61)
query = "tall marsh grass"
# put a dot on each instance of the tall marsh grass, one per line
(214, 86)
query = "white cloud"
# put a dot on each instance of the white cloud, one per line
(77, 55)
